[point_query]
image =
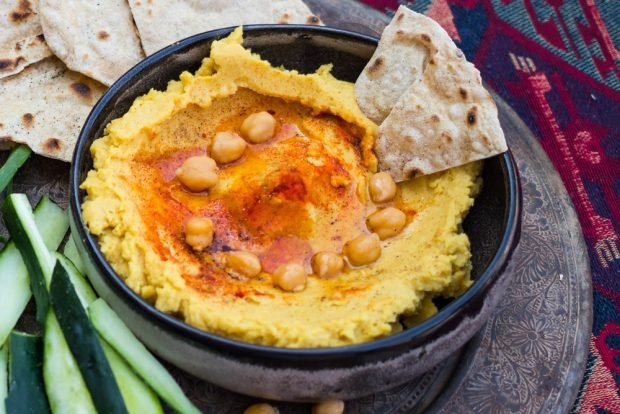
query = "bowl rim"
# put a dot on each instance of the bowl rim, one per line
(408, 337)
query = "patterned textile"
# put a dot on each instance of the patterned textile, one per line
(557, 63)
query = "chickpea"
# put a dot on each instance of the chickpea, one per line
(198, 173)
(382, 187)
(387, 222)
(290, 277)
(329, 407)
(227, 147)
(261, 409)
(327, 264)
(363, 249)
(258, 127)
(246, 263)
(199, 232)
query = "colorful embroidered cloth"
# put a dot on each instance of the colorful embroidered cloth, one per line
(557, 63)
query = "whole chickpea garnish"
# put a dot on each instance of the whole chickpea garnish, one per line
(363, 249)
(261, 409)
(327, 264)
(382, 187)
(387, 222)
(329, 407)
(290, 277)
(199, 232)
(227, 147)
(258, 127)
(245, 263)
(198, 173)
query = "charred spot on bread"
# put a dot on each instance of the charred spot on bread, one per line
(10, 64)
(52, 145)
(471, 115)
(21, 12)
(81, 90)
(27, 120)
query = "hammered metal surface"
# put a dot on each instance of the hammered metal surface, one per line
(529, 357)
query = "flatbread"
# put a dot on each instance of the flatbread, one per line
(21, 37)
(444, 118)
(48, 106)
(162, 22)
(293, 12)
(96, 38)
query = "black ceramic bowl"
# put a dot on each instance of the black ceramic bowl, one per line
(493, 226)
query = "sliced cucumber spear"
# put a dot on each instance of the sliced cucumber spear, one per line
(65, 387)
(84, 291)
(4, 377)
(116, 333)
(72, 254)
(16, 159)
(20, 222)
(52, 223)
(84, 343)
(26, 391)
(138, 397)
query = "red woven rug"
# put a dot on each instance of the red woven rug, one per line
(557, 63)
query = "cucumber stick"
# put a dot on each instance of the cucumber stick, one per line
(84, 343)
(20, 222)
(65, 387)
(116, 333)
(84, 291)
(26, 391)
(138, 396)
(17, 158)
(4, 377)
(52, 223)
(72, 254)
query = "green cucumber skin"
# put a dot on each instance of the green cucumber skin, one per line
(19, 220)
(26, 389)
(18, 157)
(72, 254)
(61, 373)
(138, 396)
(4, 380)
(84, 344)
(53, 223)
(82, 287)
(116, 333)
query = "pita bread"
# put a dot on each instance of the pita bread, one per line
(293, 12)
(21, 37)
(162, 22)
(48, 105)
(95, 38)
(445, 117)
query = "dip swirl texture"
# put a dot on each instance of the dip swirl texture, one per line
(302, 192)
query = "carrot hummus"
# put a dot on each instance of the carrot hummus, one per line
(279, 201)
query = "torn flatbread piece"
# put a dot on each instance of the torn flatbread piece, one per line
(397, 62)
(97, 39)
(445, 117)
(48, 106)
(163, 22)
(293, 12)
(21, 36)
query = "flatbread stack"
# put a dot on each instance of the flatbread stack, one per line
(433, 111)
(58, 56)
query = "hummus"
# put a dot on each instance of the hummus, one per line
(301, 192)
